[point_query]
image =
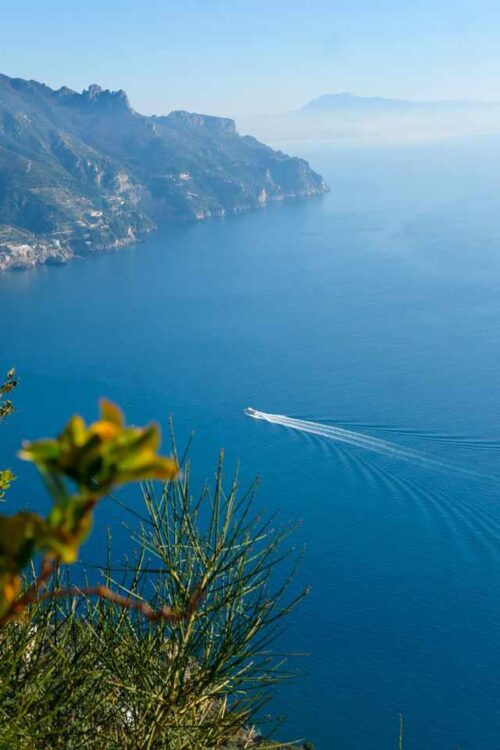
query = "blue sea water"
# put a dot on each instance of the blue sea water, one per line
(375, 309)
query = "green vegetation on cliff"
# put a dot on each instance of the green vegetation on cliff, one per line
(83, 172)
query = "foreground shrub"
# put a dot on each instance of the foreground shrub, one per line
(171, 651)
(79, 468)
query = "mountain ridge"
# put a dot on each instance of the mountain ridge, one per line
(81, 172)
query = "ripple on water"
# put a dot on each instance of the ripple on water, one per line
(465, 514)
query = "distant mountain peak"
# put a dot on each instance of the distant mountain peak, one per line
(97, 95)
(94, 95)
(346, 98)
(93, 91)
(347, 101)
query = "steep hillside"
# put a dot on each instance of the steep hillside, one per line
(85, 172)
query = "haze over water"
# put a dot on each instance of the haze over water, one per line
(375, 309)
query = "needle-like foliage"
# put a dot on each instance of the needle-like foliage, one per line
(87, 672)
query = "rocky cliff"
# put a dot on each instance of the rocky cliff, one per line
(82, 172)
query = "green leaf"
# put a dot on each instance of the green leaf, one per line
(10, 585)
(6, 479)
(18, 536)
(111, 413)
(102, 455)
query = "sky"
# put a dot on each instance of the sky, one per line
(240, 57)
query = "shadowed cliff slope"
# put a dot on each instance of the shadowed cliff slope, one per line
(84, 172)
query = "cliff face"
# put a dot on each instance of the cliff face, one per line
(85, 172)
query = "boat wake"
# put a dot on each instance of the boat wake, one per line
(361, 440)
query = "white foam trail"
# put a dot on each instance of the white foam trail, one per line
(360, 440)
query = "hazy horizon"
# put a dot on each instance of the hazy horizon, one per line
(248, 58)
(303, 106)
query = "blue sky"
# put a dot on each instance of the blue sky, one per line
(233, 57)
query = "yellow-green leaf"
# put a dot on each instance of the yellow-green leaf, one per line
(111, 413)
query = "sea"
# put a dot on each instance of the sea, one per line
(373, 312)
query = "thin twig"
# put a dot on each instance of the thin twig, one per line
(164, 613)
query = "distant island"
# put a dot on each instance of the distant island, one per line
(347, 102)
(343, 118)
(82, 172)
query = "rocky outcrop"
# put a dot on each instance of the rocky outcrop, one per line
(84, 172)
(19, 250)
